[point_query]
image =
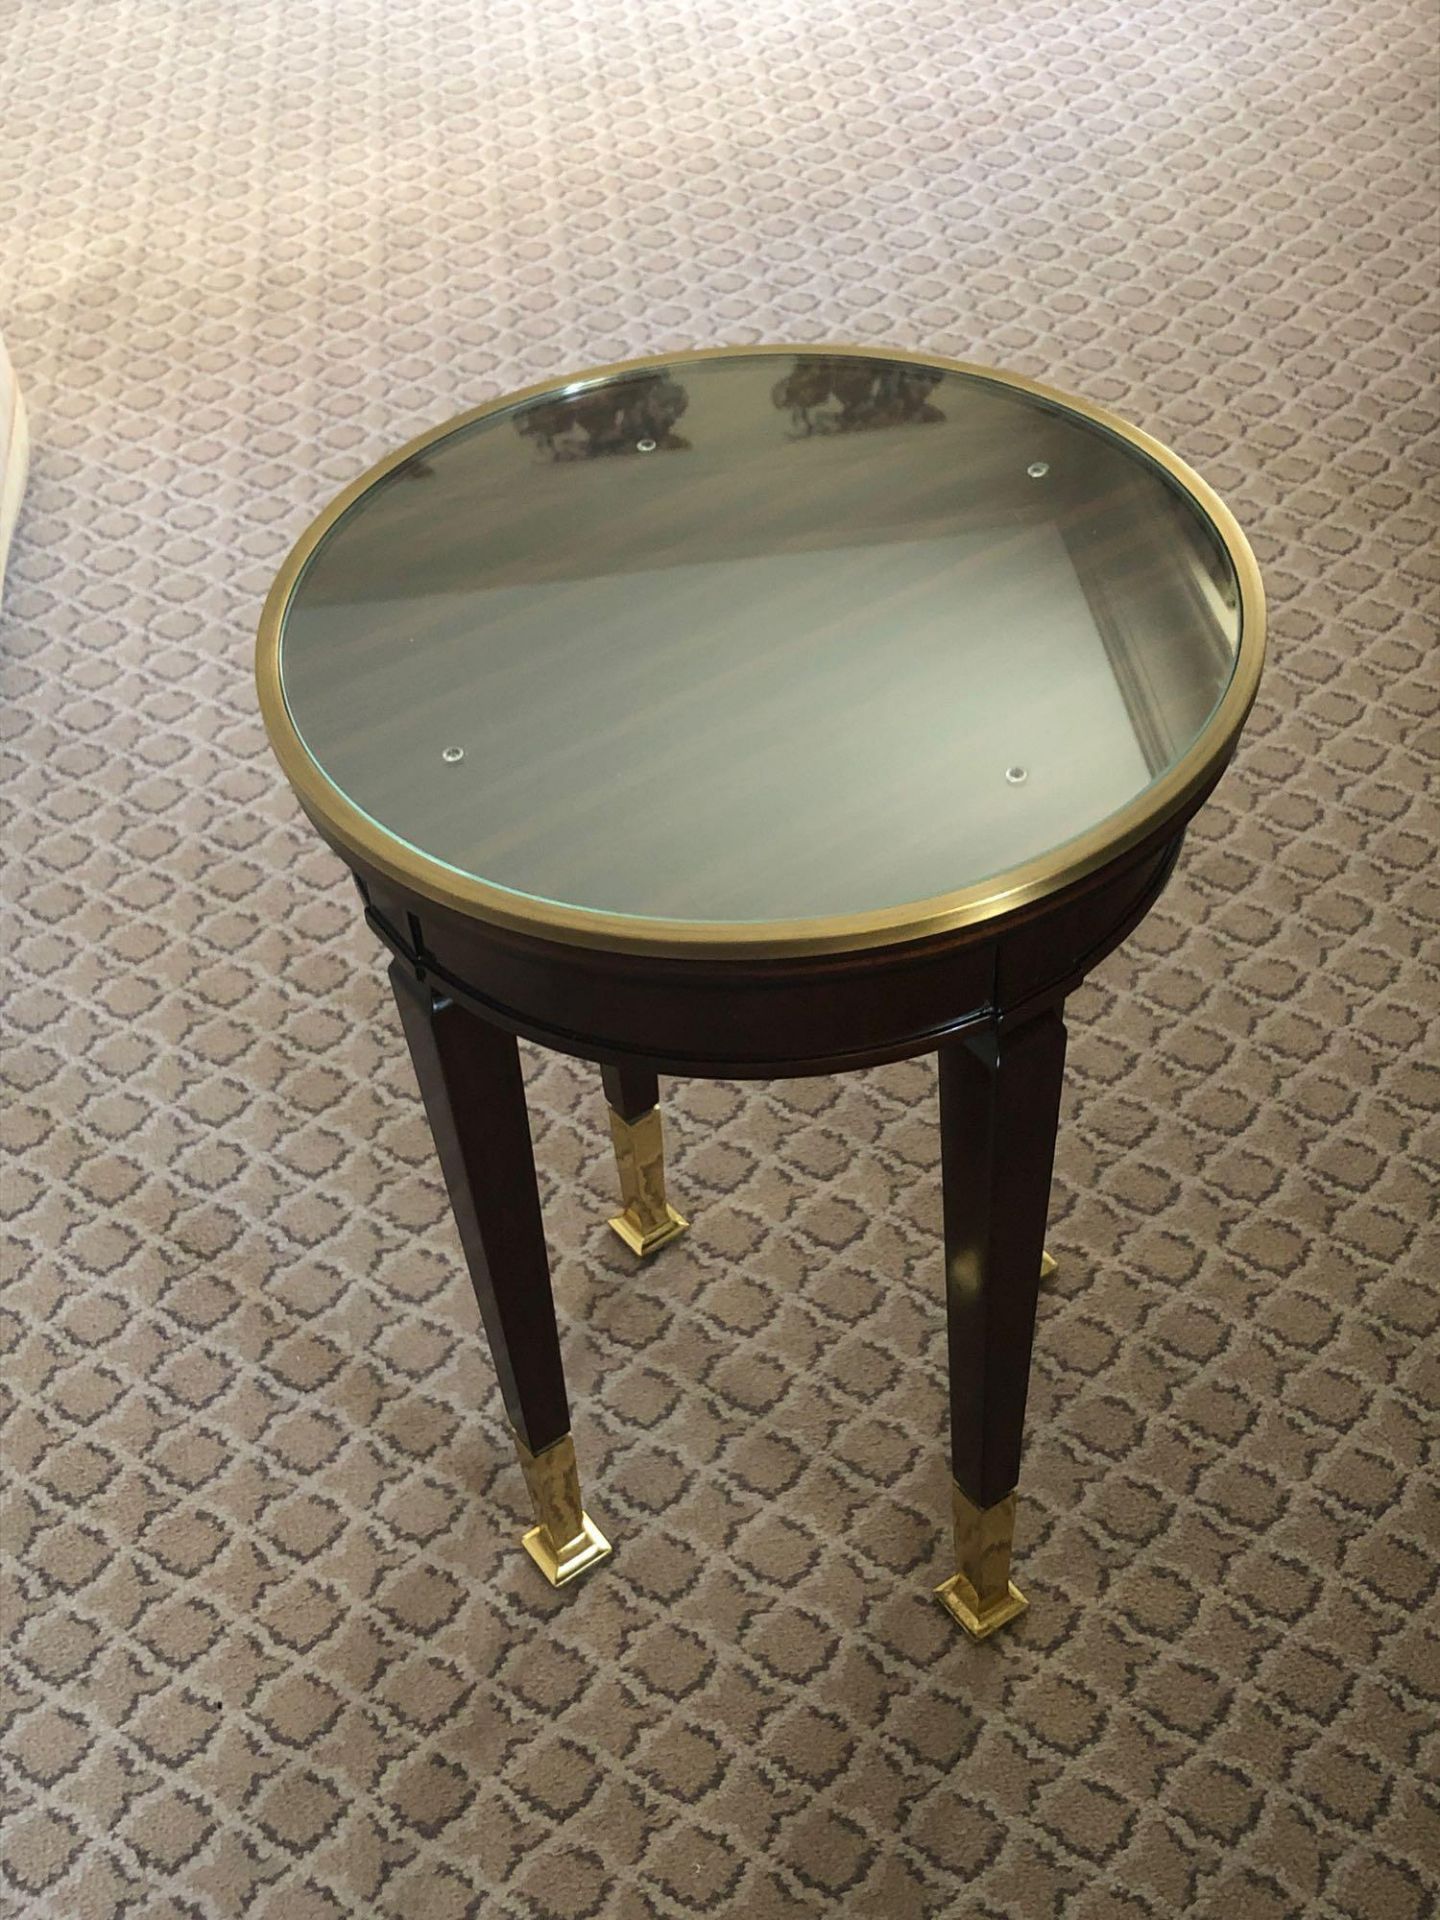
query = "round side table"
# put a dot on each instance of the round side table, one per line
(765, 711)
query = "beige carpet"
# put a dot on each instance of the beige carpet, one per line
(272, 1648)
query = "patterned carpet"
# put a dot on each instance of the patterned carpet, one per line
(271, 1646)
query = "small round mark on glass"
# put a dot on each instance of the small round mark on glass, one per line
(1017, 776)
(451, 754)
(645, 446)
(1038, 469)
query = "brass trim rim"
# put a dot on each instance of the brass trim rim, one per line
(1052, 872)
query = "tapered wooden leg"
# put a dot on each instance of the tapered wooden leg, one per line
(999, 1109)
(474, 1094)
(648, 1221)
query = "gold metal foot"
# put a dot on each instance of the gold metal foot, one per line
(646, 1243)
(588, 1548)
(980, 1594)
(649, 1222)
(565, 1540)
(1048, 1264)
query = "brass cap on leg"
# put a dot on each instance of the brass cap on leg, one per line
(588, 1548)
(647, 1241)
(980, 1593)
(565, 1541)
(648, 1222)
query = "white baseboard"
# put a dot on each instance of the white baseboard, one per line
(14, 455)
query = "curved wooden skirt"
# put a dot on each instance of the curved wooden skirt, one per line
(817, 1013)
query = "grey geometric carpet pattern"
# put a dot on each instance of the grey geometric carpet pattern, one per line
(271, 1646)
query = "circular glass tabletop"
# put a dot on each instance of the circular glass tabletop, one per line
(818, 643)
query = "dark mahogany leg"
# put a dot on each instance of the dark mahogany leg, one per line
(648, 1221)
(999, 1109)
(474, 1094)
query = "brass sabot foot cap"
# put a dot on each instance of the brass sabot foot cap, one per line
(578, 1555)
(1048, 1265)
(957, 1596)
(649, 1242)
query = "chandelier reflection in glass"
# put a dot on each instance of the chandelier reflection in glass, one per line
(853, 396)
(630, 416)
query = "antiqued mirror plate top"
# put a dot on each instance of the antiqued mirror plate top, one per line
(763, 637)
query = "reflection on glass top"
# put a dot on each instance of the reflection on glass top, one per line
(772, 637)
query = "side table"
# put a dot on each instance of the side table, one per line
(763, 711)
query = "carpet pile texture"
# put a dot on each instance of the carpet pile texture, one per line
(271, 1647)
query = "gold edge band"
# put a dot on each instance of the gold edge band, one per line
(356, 833)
